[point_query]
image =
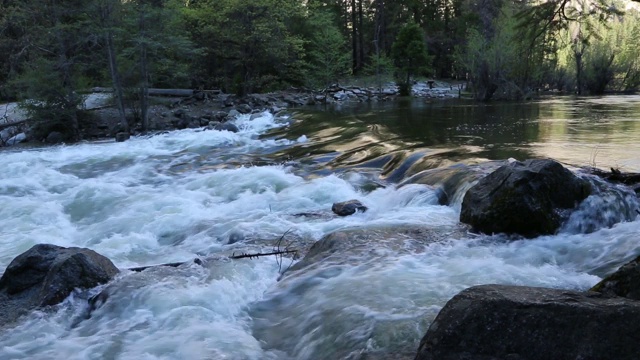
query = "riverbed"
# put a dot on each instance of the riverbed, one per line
(210, 194)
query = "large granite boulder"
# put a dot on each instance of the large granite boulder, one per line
(492, 322)
(625, 282)
(47, 274)
(529, 198)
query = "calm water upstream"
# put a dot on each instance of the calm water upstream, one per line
(208, 194)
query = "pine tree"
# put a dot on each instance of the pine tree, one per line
(328, 56)
(409, 53)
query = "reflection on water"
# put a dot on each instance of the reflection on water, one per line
(416, 134)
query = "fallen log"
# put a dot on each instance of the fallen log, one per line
(158, 92)
(164, 92)
(13, 123)
(616, 176)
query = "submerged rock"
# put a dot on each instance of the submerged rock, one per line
(256, 116)
(226, 127)
(451, 183)
(328, 245)
(625, 282)
(348, 245)
(46, 274)
(520, 323)
(347, 208)
(525, 198)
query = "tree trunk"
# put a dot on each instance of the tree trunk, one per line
(107, 17)
(578, 56)
(71, 98)
(64, 66)
(144, 81)
(354, 37)
(117, 83)
(376, 44)
(380, 25)
(360, 36)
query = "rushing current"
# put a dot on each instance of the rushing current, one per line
(192, 194)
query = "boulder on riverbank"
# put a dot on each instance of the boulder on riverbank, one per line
(520, 323)
(624, 282)
(529, 198)
(46, 274)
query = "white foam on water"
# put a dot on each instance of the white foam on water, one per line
(192, 312)
(127, 202)
(385, 301)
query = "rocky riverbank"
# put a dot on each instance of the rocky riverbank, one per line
(207, 109)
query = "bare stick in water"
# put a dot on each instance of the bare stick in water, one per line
(261, 254)
(278, 252)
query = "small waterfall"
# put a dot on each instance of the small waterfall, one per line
(608, 205)
(451, 183)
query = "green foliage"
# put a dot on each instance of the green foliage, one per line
(598, 71)
(506, 49)
(489, 60)
(157, 29)
(247, 44)
(507, 62)
(381, 67)
(57, 47)
(409, 53)
(601, 57)
(328, 56)
(50, 106)
(626, 65)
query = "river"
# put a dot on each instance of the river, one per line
(209, 194)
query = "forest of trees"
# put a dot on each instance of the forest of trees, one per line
(54, 49)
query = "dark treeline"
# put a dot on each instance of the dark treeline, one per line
(53, 49)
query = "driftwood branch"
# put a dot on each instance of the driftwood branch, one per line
(261, 254)
(175, 264)
(278, 252)
(616, 176)
(14, 123)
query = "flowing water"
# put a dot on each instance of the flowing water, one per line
(209, 194)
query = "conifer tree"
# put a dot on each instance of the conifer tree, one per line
(410, 55)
